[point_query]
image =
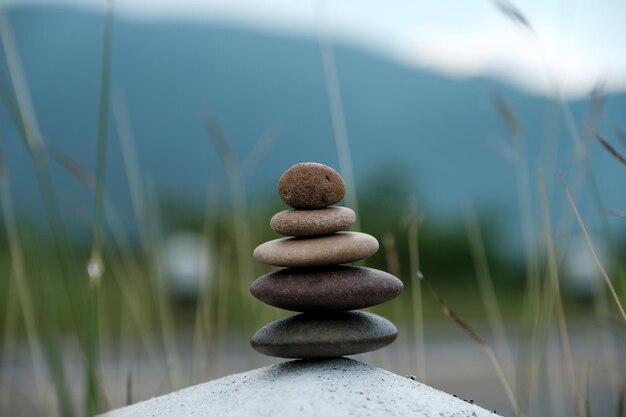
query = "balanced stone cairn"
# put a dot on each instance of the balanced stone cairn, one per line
(316, 282)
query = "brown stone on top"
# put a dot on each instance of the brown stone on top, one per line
(312, 222)
(311, 335)
(310, 185)
(333, 249)
(333, 288)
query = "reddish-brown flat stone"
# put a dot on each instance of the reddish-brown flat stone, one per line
(312, 222)
(334, 288)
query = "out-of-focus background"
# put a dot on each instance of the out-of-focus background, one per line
(482, 144)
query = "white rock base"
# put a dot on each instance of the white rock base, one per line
(302, 388)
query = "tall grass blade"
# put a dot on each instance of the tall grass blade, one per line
(558, 300)
(616, 213)
(482, 343)
(485, 281)
(416, 291)
(622, 136)
(592, 248)
(587, 398)
(160, 291)
(24, 293)
(22, 112)
(131, 164)
(260, 150)
(95, 267)
(241, 226)
(10, 104)
(508, 116)
(71, 165)
(611, 149)
(129, 386)
(532, 293)
(337, 114)
(139, 205)
(508, 9)
(621, 402)
(8, 343)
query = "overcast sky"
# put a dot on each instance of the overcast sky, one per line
(575, 45)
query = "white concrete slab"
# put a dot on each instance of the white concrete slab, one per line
(330, 388)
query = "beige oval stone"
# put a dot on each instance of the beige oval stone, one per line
(335, 249)
(312, 222)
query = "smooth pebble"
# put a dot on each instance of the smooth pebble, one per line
(334, 288)
(333, 249)
(310, 335)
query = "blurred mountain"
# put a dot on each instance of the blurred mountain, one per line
(415, 127)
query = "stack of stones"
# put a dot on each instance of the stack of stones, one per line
(316, 282)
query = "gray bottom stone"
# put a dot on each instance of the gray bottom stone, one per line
(313, 335)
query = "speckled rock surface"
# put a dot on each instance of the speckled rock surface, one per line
(313, 335)
(334, 249)
(332, 288)
(307, 388)
(312, 222)
(310, 185)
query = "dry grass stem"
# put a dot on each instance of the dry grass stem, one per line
(616, 213)
(336, 109)
(621, 402)
(622, 136)
(260, 150)
(240, 218)
(71, 165)
(391, 254)
(511, 11)
(611, 149)
(482, 343)
(485, 281)
(508, 116)
(416, 292)
(23, 291)
(129, 386)
(558, 301)
(592, 248)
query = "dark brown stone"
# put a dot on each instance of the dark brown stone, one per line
(310, 335)
(335, 288)
(312, 222)
(310, 185)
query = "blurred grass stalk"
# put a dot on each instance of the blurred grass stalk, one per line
(451, 314)
(244, 271)
(336, 110)
(485, 282)
(146, 219)
(582, 169)
(532, 296)
(24, 294)
(555, 301)
(96, 267)
(22, 112)
(593, 250)
(416, 292)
